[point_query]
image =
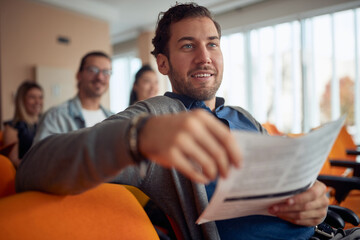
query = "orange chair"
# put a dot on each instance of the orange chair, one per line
(343, 143)
(7, 177)
(336, 167)
(272, 129)
(139, 195)
(344, 153)
(335, 173)
(1, 138)
(108, 211)
(327, 169)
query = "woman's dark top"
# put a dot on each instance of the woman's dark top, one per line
(26, 134)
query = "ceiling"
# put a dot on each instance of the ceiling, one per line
(129, 17)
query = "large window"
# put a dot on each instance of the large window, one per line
(124, 69)
(296, 75)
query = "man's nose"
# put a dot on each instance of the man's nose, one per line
(101, 75)
(203, 55)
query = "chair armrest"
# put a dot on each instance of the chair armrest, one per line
(348, 164)
(352, 152)
(334, 219)
(346, 214)
(342, 185)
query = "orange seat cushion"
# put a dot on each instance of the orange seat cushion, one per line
(7, 177)
(108, 211)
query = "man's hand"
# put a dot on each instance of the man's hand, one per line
(195, 143)
(308, 208)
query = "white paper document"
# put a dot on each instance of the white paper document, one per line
(273, 169)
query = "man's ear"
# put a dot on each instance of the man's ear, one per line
(163, 63)
(78, 76)
(78, 79)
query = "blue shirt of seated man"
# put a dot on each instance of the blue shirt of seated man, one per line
(252, 227)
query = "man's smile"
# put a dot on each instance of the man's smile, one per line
(202, 75)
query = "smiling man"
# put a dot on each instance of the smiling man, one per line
(173, 147)
(84, 110)
(195, 66)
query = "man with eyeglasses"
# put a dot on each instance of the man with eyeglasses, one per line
(84, 110)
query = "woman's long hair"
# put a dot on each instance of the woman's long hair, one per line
(140, 72)
(20, 111)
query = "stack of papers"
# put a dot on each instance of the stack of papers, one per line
(274, 168)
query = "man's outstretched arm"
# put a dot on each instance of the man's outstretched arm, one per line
(194, 143)
(74, 162)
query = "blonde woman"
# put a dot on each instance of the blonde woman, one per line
(21, 129)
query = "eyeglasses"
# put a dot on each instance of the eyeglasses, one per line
(94, 70)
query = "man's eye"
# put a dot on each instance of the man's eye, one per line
(93, 69)
(212, 44)
(187, 46)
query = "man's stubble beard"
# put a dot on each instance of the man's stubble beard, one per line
(202, 93)
(92, 93)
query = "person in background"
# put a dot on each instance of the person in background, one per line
(146, 85)
(21, 129)
(84, 110)
(173, 147)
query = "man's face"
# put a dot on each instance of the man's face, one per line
(93, 80)
(195, 62)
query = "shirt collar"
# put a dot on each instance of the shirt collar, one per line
(193, 103)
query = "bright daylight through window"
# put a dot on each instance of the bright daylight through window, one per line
(298, 74)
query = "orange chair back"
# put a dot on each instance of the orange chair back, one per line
(272, 129)
(7, 177)
(328, 170)
(343, 142)
(108, 211)
(338, 152)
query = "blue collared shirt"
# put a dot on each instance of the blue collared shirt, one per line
(253, 227)
(230, 117)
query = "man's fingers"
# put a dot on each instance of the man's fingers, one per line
(188, 168)
(215, 154)
(200, 159)
(305, 218)
(308, 208)
(313, 193)
(313, 198)
(225, 141)
(320, 202)
(203, 142)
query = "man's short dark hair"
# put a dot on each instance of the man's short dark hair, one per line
(173, 15)
(92, 54)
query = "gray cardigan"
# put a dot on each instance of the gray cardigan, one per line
(74, 162)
